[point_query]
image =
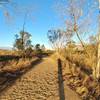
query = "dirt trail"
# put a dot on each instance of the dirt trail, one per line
(40, 83)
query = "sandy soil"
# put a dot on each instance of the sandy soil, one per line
(40, 83)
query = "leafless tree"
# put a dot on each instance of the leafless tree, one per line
(16, 10)
(58, 39)
(76, 21)
(77, 14)
(4, 6)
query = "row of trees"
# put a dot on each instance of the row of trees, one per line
(23, 44)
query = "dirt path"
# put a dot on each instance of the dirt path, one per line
(40, 83)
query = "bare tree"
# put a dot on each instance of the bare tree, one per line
(4, 6)
(58, 39)
(76, 21)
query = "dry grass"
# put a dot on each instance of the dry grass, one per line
(80, 76)
(11, 61)
(8, 52)
(78, 63)
(14, 65)
(81, 80)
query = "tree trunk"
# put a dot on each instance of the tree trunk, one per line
(82, 44)
(97, 69)
(98, 60)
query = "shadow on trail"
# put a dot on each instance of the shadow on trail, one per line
(9, 57)
(8, 79)
(60, 81)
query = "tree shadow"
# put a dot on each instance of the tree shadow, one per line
(8, 79)
(5, 58)
(60, 81)
(9, 57)
(82, 67)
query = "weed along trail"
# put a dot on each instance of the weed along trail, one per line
(42, 82)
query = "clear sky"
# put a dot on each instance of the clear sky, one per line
(41, 19)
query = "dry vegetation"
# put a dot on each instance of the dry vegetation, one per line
(11, 60)
(77, 69)
(79, 66)
(13, 66)
(79, 77)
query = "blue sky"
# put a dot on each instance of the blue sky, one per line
(41, 19)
